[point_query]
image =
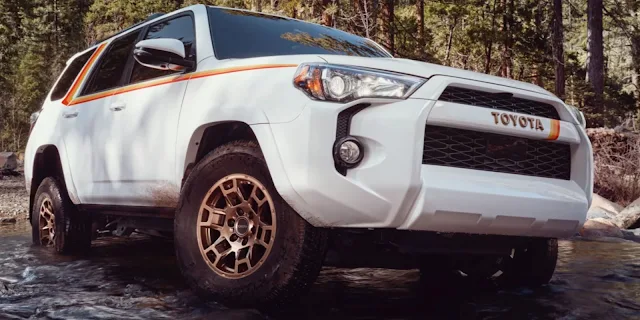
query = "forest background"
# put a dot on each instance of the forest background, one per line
(587, 52)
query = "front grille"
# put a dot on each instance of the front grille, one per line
(492, 152)
(499, 101)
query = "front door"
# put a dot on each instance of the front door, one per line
(144, 116)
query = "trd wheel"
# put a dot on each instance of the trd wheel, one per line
(236, 226)
(236, 239)
(56, 222)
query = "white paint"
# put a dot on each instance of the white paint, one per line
(174, 46)
(121, 156)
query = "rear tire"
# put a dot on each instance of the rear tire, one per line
(234, 250)
(56, 222)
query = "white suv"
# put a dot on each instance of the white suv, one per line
(270, 146)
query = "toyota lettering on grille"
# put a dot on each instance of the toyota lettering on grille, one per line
(507, 119)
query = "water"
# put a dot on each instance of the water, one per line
(137, 278)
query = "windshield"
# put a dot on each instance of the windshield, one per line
(245, 34)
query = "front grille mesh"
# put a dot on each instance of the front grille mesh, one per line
(469, 149)
(505, 102)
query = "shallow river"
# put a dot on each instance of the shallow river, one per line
(137, 278)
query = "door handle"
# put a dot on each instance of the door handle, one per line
(68, 115)
(117, 107)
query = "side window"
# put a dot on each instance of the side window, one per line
(109, 71)
(180, 28)
(70, 74)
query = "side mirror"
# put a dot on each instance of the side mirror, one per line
(162, 54)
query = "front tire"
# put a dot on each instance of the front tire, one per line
(533, 265)
(529, 265)
(56, 222)
(237, 240)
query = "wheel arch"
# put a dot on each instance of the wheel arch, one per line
(209, 136)
(239, 130)
(47, 162)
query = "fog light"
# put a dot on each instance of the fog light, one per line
(348, 152)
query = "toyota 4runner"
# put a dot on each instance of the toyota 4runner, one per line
(268, 146)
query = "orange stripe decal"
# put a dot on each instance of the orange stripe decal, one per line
(555, 130)
(171, 79)
(83, 73)
(238, 69)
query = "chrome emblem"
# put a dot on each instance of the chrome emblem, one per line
(507, 119)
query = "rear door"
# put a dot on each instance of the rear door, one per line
(144, 118)
(89, 138)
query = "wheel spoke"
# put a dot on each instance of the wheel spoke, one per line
(254, 196)
(243, 261)
(262, 240)
(216, 218)
(228, 192)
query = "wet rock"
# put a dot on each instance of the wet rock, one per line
(8, 160)
(600, 227)
(610, 206)
(633, 235)
(629, 217)
(8, 220)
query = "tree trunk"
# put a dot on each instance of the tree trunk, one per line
(635, 59)
(420, 20)
(595, 56)
(507, 18)
(450, 40)
(489, 43)
(558, 49)
(256, 5)
(386, 27)
(327, 19)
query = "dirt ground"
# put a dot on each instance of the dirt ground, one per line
(14, 200)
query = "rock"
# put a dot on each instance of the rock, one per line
(7, 220)
(600, 227)
(629, 217)
(633, 235)
(598, 212)
(603, 203)
(8, 161)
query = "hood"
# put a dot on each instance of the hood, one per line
(427, 70)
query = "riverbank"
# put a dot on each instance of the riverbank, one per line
(14, 200)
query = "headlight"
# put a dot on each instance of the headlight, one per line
(579, 115)
(344, 84)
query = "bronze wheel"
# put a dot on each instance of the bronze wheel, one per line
(237, 241)
(56, 222)
(236, 226)
(46, 223)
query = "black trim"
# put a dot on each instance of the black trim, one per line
(475, 150)
(96, 65)
(128, 71)
(343, 128)
(149, 18)
(129, 211)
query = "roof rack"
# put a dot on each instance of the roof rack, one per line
(150, 17)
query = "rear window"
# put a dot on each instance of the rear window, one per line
(70, 74)
(245, 34)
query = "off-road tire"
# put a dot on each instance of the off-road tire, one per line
(72, 228)
(534, 265)
(296, 255)
(531, 265)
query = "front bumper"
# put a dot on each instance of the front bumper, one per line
(391, 188)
